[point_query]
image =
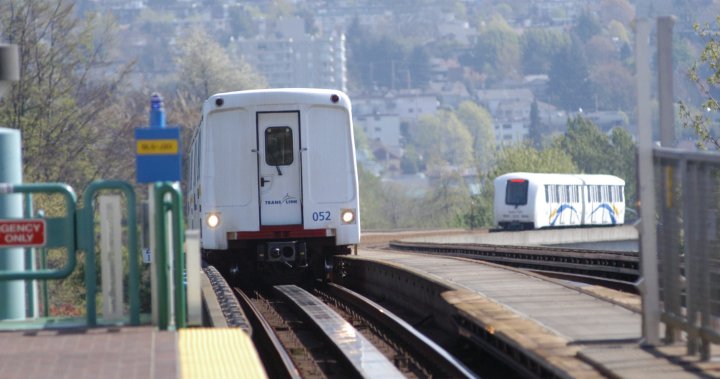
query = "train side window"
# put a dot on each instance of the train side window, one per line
(547, 193)
(278, 146)
(552, 193)
(516, 192)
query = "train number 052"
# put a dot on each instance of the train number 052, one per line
(321, 216)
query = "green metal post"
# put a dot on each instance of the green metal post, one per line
(86, 239)
(161, 230)
(45, 295)
(179, 264)
(160, 257)
(30, 265)
(43, 266)
(12, 294)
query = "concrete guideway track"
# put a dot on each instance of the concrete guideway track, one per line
(593, 335)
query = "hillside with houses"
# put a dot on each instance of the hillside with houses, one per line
(445, 93)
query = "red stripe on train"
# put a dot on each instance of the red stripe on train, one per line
(281, 231)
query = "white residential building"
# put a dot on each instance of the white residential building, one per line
(384, 128)
(288, 57)
(510, 110)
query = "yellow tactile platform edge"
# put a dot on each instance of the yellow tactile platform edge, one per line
(211, 353)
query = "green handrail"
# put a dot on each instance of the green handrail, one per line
(161, 256)
(59, 230)
(86, 242)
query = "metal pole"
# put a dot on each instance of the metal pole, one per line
(12, 292)
(648, 284)
(159, 313)
(30, 265)
(665, 80)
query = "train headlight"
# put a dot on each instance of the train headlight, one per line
(347, 216)
(213, 220)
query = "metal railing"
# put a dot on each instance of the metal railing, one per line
(76, 231)
(86, 242)
(688, 246)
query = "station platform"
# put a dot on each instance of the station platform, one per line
(65, 348)
(573, 331)
(128, 353)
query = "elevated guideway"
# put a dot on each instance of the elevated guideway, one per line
(542, 237)
(554, 328)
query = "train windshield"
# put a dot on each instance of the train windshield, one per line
(516, 192)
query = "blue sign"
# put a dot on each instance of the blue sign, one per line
(157, 155)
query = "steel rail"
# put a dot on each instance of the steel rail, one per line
(422, 346)
(276, 358)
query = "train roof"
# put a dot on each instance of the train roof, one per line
(279, 96)
(551, 178)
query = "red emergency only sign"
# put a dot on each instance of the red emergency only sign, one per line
(22, 233)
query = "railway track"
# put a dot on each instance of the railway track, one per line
(291, 345)
(332, 332)
(614, 269)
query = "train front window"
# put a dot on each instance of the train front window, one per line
(516, 192)
(278, 146)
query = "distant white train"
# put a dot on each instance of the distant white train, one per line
(272, 181)
(532, 201)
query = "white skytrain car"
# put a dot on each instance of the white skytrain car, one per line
(272, 180)
(532, 201)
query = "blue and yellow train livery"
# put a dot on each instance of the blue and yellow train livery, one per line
(534, 200)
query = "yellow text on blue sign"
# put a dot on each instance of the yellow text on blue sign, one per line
(157, 146)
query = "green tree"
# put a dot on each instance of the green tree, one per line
(447, 203)
(587, 26)
(617, 10)
(587, 145)
(624, 162)
(600, 50)
(62, 103)
(618, 31)
(497, 51)
(615, 86)
(410, 162)
(569, 83)
(705, 73)
(590, 147)
(523, 158)
(479, 123)
(594, 152)
(67, 108)
(538, 48)
(205, 68)
(535, 132)
(442, 139)
(371, 201)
